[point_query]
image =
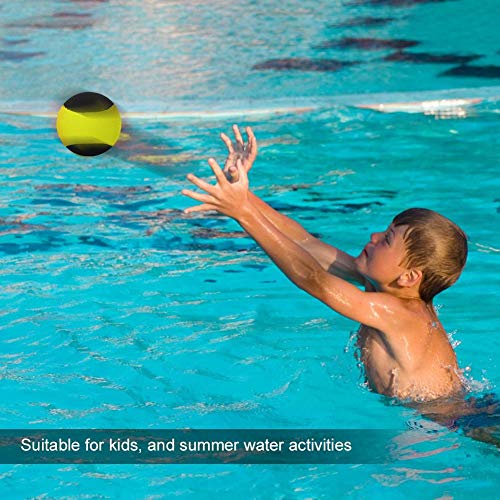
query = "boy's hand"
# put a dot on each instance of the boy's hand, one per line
(230, 199)
(239, 150)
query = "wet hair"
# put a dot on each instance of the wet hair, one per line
(435, 245)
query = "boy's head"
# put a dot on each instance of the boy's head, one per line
(435, 245)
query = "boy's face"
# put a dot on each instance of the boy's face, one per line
(381, 257)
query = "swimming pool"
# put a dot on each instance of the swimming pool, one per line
(119, 311)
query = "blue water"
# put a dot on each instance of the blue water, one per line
(117, 310)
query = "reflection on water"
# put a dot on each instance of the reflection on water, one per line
(169, 51)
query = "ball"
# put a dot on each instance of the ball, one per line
(89, 124)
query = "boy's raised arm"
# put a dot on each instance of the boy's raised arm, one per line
(330, 258)
(372, 309)
(379, 310)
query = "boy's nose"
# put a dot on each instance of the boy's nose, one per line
(374, 237)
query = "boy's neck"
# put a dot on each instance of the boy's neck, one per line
(398, 291)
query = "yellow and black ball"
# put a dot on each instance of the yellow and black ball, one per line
(89, 124)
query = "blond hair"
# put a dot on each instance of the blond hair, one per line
(435, 245)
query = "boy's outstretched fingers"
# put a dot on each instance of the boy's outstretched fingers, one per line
(234, 174)
(252, 142)
(242, 173)
(219, 174)
(227, 142)
(237, 135)
(199, 208)
(200, 183)
(205, 198)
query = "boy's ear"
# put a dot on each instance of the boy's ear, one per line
(410, 277)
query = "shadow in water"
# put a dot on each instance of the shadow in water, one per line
(367, 43)
(304, 64)
(65, 22)
(491, 71)
(15, 41)
(395, 3)
(475, 417)
(363, 21)
(14, 55)
(146, 149)
(427, 58)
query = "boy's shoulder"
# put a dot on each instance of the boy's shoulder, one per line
(414, 333)
(414, 310)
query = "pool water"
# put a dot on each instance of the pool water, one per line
(119, 311)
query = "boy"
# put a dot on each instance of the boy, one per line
(404, 348)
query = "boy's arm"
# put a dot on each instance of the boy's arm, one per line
(331, 259)
(378, 310)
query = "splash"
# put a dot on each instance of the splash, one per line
(351, 346)
(351, 342)
(471, 384)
